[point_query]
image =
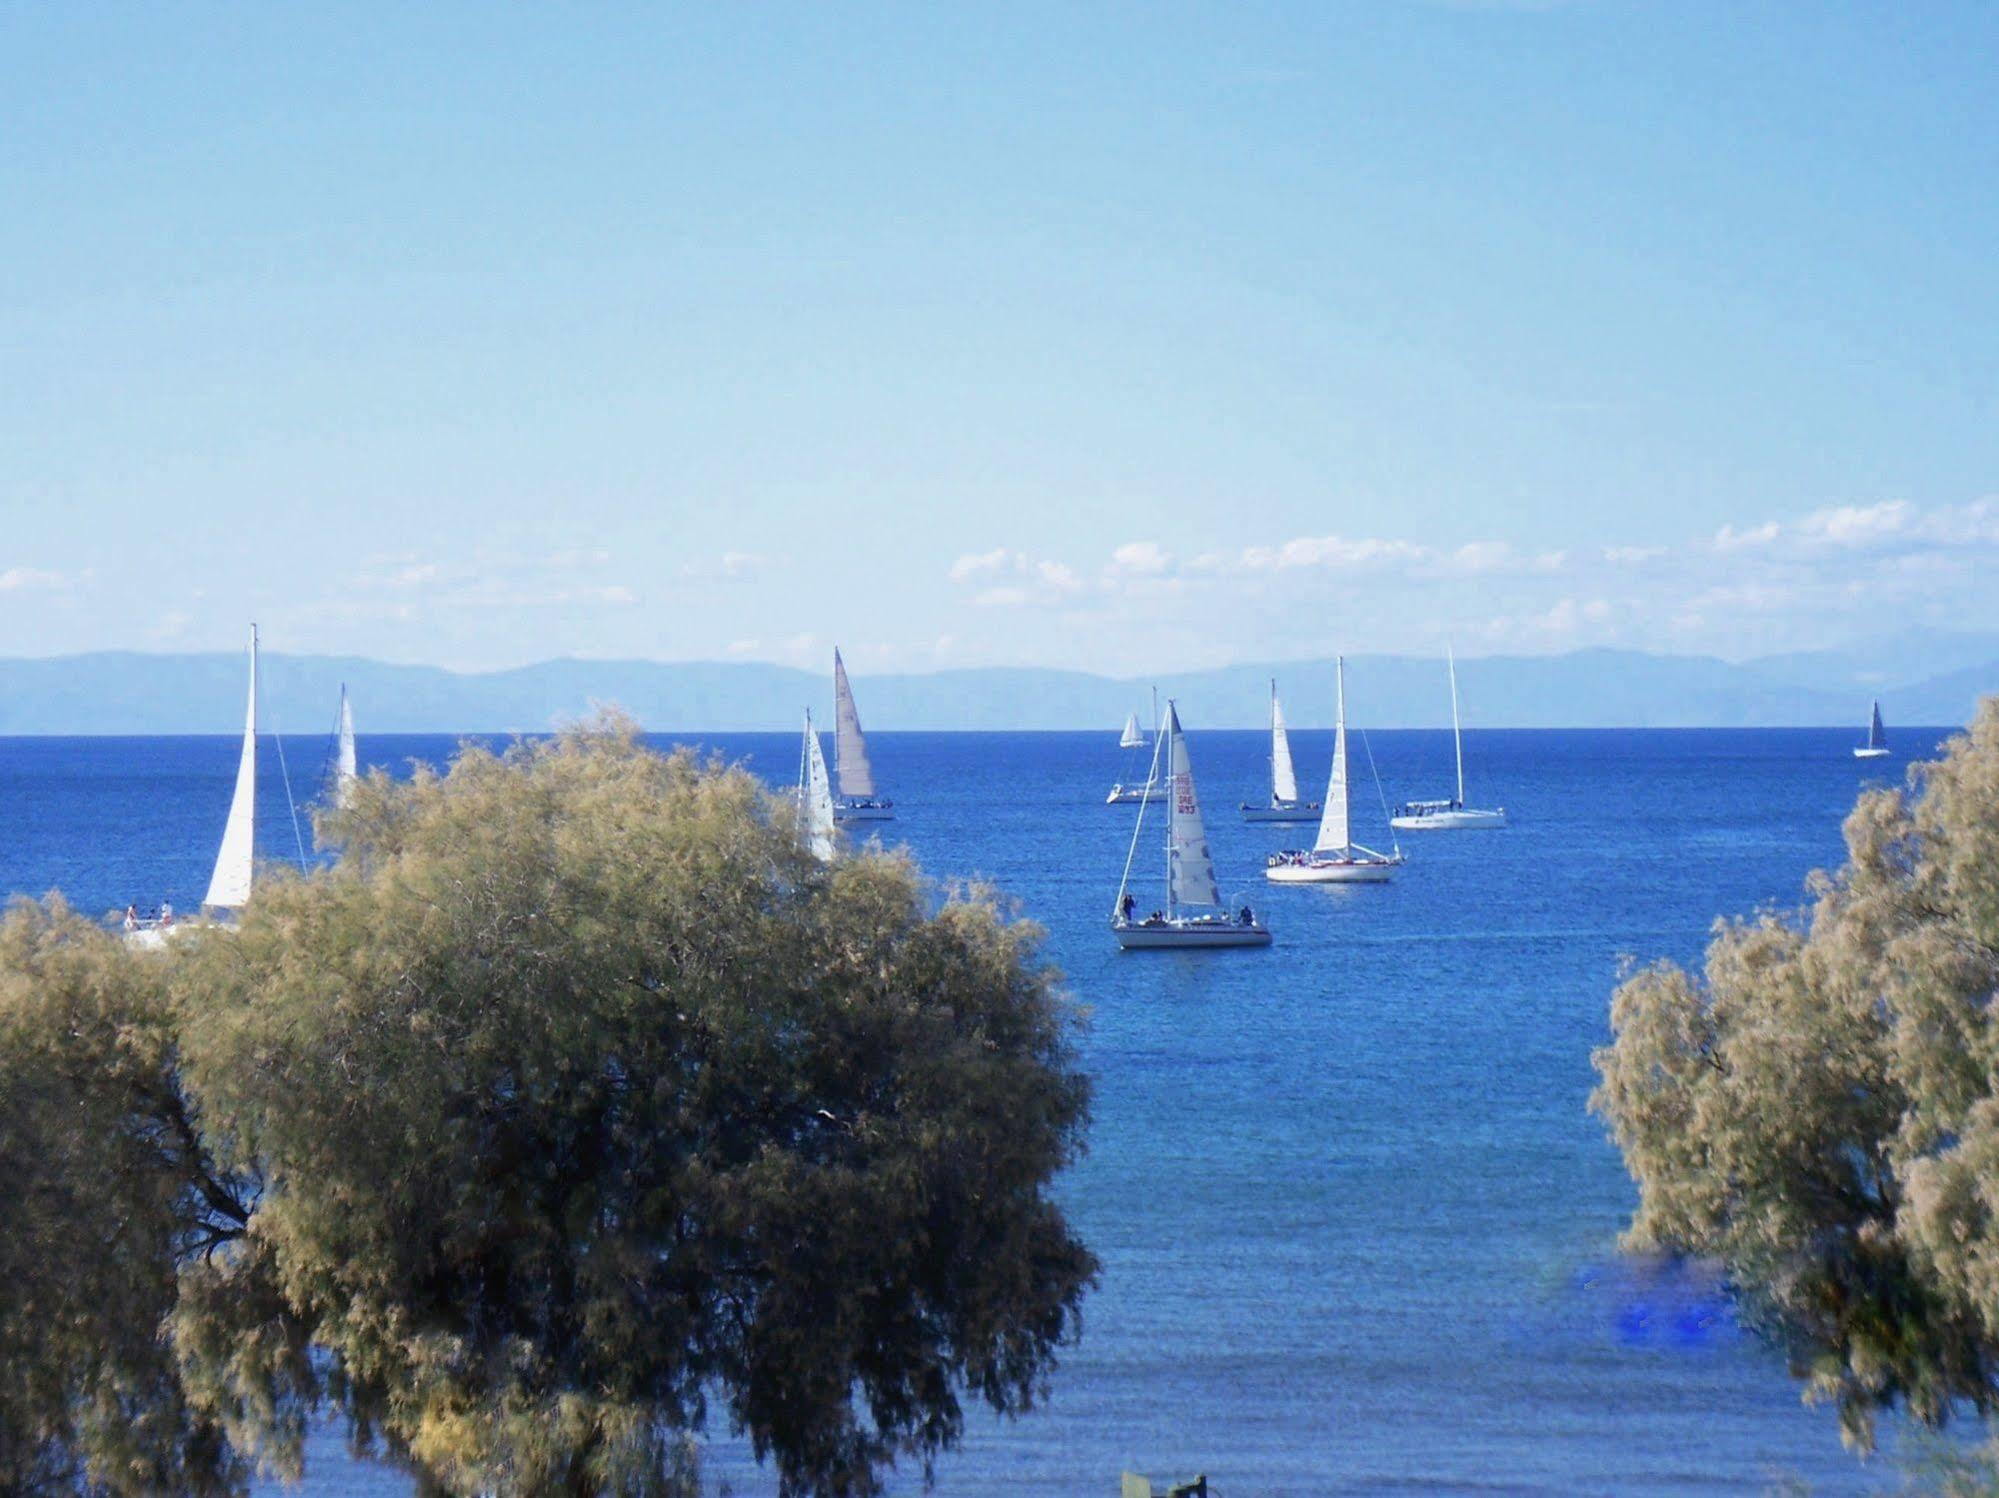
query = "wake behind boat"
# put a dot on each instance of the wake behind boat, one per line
(852, 770)
(1452, 815)
(1334, 857)
(1284, 804)
(1193, 915)
(1876, 746)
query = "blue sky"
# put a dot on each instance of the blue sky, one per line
(1122, 337)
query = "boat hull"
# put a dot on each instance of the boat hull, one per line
(1132, 795)
(1333, 871)
(1138, 937)
(863, 813)
(1464, 819)
(1870, 753)
(1297, 812)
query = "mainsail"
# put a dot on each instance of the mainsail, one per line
(1133, 736)
(850, 745)
(1877, 737)
(1334, 834)
(815, 799)
(1283, 776)
(1190, 873)
(344, 769)
(229, 886)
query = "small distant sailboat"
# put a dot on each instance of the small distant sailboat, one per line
(815, 798)
(1452, 815)
(345, 770)
(1193, 915)
(1131, 791)
(855, 775)
(1285, 805)
(1334, 857)
(1876, 746)
(229, 884)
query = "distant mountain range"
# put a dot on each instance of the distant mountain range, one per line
(1921, 677)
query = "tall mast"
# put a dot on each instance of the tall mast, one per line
(1273, 741)
(1167, 734)
(1457, 733)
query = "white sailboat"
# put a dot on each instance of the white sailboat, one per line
(1876, 746)
(1285, 804)
(345, 770)
(1452, 815)
(815, 798)
(852, 771)
(1131, 791)
(1334, 857)
(1193, 915)
(229, 884)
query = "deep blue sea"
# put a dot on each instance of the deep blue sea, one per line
(1356, 1227)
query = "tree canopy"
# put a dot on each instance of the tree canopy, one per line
(1819, 1109)
(572, 1099)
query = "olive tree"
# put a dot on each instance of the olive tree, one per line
(575, 1099)
(1818, 1110)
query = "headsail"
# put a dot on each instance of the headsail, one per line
(229, 886)
(850, 745)
(1283, 775)
(1190, 873)
(815, 799)
(345, 772)
(1877, 737)
(1133, 736)
(1334, 833)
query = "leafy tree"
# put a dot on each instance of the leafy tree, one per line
(1819, 1111)
(575, 1097)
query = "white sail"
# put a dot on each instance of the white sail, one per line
(229, 886)
(345, 772)
(1190, 873)
(850, 745)
(1133, 736)
(815, 799)
(1457, 732)
(1283, 774)
(1334, 835)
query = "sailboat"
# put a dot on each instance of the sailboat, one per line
(1285, 805)
(1876, 746)
(1334, 857)
(1193, 915)
(854, 775)
(1132, 791)
(229, 884)
(1452, 815)
(815, 798)
(345, 771)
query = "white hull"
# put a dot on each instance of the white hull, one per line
(1462, 819)
(1333, 871)
(1864, 753)
(1138, 936)
(852, 813)
(1297, 811)
(1133, 795)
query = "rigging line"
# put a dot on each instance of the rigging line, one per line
(1380, 795)
(1145, 799)
(285, 771)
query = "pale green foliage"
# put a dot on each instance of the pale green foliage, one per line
(577, 1097)
(1820, 1110)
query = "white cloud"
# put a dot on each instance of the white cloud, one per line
(1728, 538)
(998, 598)
(1140, 559)
(1632, 556)
(1856, 525)
(980, 564)
(27, 579)
(1336, 552)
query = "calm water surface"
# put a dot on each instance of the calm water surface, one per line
(1356, 1225)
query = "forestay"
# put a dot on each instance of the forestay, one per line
(229, 886)
(1190, 873)
(850, 745)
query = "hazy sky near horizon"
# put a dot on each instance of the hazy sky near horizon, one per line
(1116, 336)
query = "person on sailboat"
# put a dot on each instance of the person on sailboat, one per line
(1127, 906)
(132, 917)
(166, 912)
